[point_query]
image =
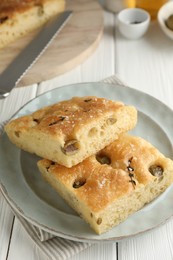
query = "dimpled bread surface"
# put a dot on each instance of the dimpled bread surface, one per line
(109, 186)
(19, 17)
(72, 130)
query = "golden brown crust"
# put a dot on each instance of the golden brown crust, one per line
(69, 116)
(69, 131)
(134, 152)
(103, 183)
(19, 17)
(9, 7)
(114, 183)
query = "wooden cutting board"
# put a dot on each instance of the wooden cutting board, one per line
(74, 44)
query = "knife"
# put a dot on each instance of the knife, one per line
(27, 57)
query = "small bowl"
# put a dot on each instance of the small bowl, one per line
(164, 12)
(133, 22)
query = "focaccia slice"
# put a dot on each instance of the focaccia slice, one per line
(19, 17)
(71, 130)
(109, 186)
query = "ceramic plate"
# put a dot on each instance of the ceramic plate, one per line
(36, 201)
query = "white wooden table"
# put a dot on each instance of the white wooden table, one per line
(145, 64)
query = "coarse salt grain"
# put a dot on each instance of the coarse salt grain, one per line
(101, 184)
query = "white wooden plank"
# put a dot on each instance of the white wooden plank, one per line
(6, 225)
(156, 244)
(16, 99)
(71, 77)
(147, 63)
(22, 247)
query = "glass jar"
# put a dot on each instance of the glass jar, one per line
(151, 6)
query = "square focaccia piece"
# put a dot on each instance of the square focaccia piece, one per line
(106, 188)
(72, 130)
(19, 17)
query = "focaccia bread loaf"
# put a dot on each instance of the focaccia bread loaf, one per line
(19, 17)
(108, 187)
(71, 130)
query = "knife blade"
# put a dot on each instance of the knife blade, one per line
(30, 54)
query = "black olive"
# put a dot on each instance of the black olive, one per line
(79, 183)
(156, 170)
(103, 159)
